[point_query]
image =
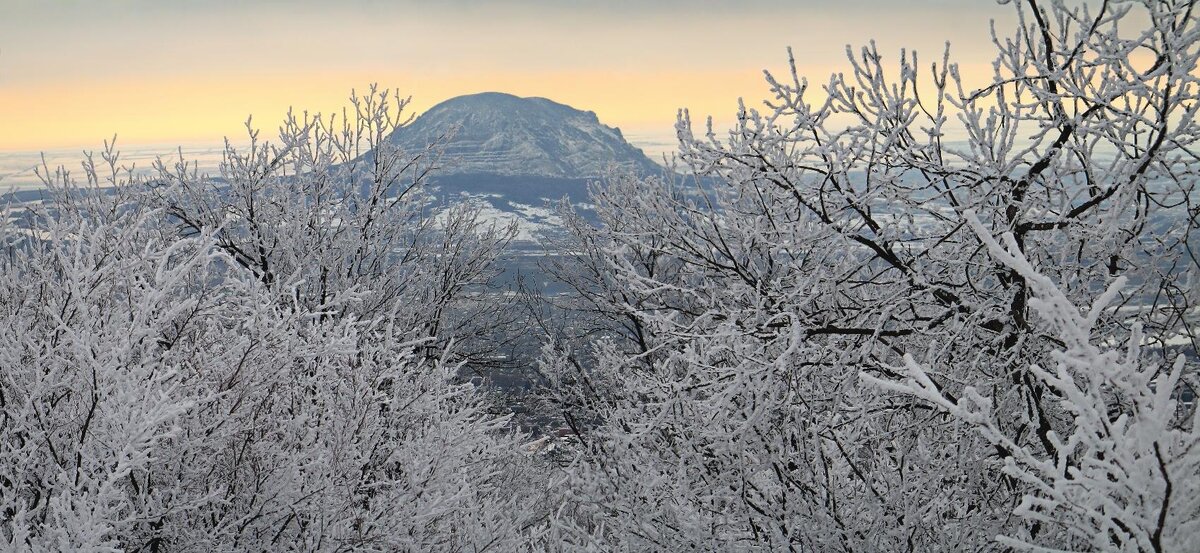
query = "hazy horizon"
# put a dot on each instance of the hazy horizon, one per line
(73, 74)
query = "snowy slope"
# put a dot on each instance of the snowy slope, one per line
(530, 201)
(502, 134)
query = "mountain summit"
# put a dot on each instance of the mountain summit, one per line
(504, 134)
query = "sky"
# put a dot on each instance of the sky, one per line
(74, 72)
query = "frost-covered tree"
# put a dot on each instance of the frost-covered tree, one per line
(1126, 477)
(260, 360)
(336, 218)
(827, 237)
(91, 399)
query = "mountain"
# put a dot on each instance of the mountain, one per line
(502, 134)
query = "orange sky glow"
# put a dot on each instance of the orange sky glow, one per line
(73, 73)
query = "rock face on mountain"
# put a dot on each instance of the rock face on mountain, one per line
(502, 134)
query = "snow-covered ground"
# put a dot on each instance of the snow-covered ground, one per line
(533, 222)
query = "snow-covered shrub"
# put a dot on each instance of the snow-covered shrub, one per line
(264, 360)
(1127, 475)
(825, 237)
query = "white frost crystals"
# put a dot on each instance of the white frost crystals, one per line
(174, 378)
(760, 314)
(832, 330)
(1125, 478)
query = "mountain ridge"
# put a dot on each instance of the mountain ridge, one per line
(504, 134)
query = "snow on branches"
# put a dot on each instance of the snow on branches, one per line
(260, 360)
(1125, 477)
(825, 239)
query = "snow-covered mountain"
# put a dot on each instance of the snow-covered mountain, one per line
(502, 134)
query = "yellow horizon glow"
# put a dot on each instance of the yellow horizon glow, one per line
(188, 73)
(189, 109)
